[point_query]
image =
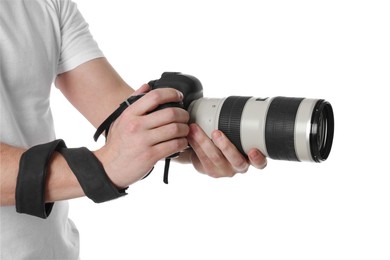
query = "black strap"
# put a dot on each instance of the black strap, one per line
(166, 167)
(166, 170)
(31, 180)
(105, 126)
(91, 175)
(33, 168)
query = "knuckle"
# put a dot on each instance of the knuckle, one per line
(223, 144)
(179, 144)
(178, 130)
(133, 126)
(183, 114)
(150, 157)
(241, 166)
(216, 158)
(230, 174)
(155, 96)
(175, 114)
(213, 175)
(203, 159)
(186, 114)
(174, 129)
(171, 114)
(186, 130)
(207, 163)
(221, 174)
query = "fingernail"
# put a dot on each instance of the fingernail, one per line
(146, 86)
(193, 129)
(217, 134)
(255, 155)
(180, 94)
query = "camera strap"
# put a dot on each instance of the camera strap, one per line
(91, 175)
(31, 180)
(34, 168)
(105, 127)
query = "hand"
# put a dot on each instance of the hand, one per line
(218, 157)
(139, 138)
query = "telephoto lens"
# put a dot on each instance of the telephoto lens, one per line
(283, 128)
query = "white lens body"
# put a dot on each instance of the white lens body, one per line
(206, 112)
(303, 129)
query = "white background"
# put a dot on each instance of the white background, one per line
(335, 50)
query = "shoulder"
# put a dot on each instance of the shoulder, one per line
(63, 9)
(60, 6)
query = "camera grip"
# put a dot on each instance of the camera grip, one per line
(188, 85)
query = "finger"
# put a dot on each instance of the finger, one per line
(167, 148)
(143, 89)
(257, 159)
(212, 159)
(166, 116)
(194, 159)
(199, 158)
(235, 158)
(167, 132)
(154, 98)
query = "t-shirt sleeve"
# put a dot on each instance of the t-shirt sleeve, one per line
(77, 43)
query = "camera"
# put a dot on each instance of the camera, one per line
(283, 128)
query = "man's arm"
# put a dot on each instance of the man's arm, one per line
(95, 89)
(61, 182)
(137, 140)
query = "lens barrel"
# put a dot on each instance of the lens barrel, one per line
(299, 129)
(322, 130)
(283, 128)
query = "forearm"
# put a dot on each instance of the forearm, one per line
(95, 89)
(61, 183)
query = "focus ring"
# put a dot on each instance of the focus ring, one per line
(280, 126)
(230, 119)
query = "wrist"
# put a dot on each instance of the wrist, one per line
(107, 162)
(91, 174)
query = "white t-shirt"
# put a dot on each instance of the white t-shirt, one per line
(38, 40)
